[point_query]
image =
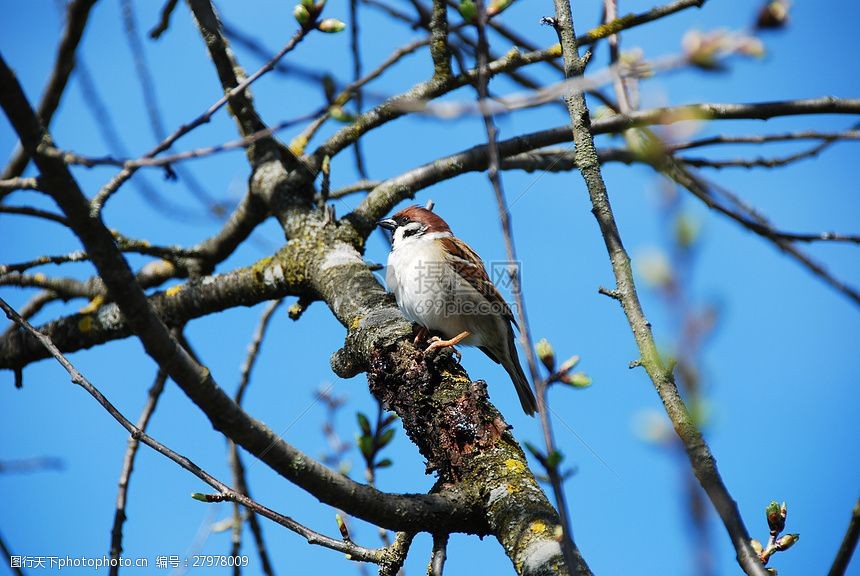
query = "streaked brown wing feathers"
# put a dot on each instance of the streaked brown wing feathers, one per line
(469, 266)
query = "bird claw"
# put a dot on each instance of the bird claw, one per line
(436, 342)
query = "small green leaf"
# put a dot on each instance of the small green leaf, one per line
(365, 444)
(199, 496)
(534, 451)
(384, 463)
(389, 419)
(386, 437)
(554, 459)
(363, 423)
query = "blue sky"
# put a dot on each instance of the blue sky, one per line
(780, 370)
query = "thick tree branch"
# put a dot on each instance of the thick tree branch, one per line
(397, 512)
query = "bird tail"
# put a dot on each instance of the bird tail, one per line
(521, 383)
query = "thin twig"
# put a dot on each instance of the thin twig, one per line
(358, 186)
(358, 98)
(571, 558)
(701, 459)
(77, 16)
(110, 136)
(758, 224)
(7, 554)
(12, 184)
(235, 460)
(112, 186)
(154, 115)
(224, 493)
(28, 211)
(852, 134)
(128, 467)
(164, 19)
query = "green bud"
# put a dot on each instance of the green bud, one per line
(384, 463)
(302, 15)
(756, 546)
(569, 364)
(331, 26)
(497, 6)
(546, 354)
(468, 10)
(577, 380)
(200, 497)
(686, 230)
(787, 541)
(341, 525)
(775, 519)
(340, 114)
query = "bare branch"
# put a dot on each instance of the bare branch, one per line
(27, 211)
(224, 491)
(849, 543)
(164, 20)
(232, 92)
(128, 467)
(7, 554)
(437, 560)
(12, 184)
(701, 459)
(77, 16)
(394, 511)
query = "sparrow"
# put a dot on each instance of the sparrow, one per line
(441, 283)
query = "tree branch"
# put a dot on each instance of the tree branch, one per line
(77, 16)
(397, 512)
(701, 459)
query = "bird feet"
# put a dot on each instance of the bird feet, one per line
(436, 342)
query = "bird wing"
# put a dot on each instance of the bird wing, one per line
(468, 265)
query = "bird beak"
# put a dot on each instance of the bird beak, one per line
(388, 224)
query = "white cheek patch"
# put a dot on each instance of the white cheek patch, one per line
(407, 231)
